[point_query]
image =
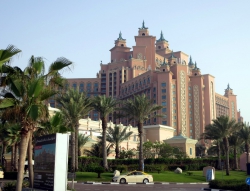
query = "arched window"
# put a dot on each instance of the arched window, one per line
(81, 88)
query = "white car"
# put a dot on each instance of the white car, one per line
(134, 176)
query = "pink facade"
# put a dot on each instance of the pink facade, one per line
(170, 79)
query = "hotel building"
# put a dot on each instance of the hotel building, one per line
(170, 78)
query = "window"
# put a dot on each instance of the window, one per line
(174, 98)
(163, 91)
(191, 124)
(81, 88)
(190, 150)
(163, 84)
(174, 123)
(174, 92)
(154, 90)
(74, 86)
(190, 130)
(174, 105)
(163, 103)
(164, 110)
(189, 87)
(164, 122)
(163, 97)
(173, 86)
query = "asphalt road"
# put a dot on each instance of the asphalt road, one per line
(139, 187)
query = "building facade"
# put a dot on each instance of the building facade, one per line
(170, 78)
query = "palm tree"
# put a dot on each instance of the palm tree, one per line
(74, 106)
(213, 133)
(226, 127)
(117, 135)
(13, 139)
(55, 124)
(235, 141)
(244, 134)
(104, 106)
(7, 54)
(82, 140)
(97, 149)
(30, 88)
(138, 109)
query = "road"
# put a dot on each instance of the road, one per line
(139, 187)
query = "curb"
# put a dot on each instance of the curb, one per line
(144, 183)
(211, 189)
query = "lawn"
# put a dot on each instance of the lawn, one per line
(167, 176)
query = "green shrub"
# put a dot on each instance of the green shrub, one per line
(99, 170)
(228, 185)
(11, 186)
(122, 168)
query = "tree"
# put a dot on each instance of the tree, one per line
(7, 54)
(166, 150)
(226, 126)
(244, 134)
(82, 140)
(139, 108)
(74, 106)
(104, 106)
(30, 88)
(13, 139)
(235, 141)
(97, 149)
(55, 124)
(117, 135)
(214, 134)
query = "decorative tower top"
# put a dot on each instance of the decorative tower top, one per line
(228, 91)
(172, 55)
(161, 38)
(143, 26)
(195, 67)
(120, 36)
(120, 41)
(164, 62)
(190, 61)
(228, 87)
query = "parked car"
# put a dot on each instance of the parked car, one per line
(26, 176)
(1, 173)
(134, 176)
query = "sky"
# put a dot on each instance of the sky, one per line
(215, 33)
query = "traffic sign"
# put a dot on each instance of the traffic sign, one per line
(248, 181)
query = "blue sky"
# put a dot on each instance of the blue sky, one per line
(214, 33)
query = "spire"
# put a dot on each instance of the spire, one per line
(143, 26)
(161, 38)
(172, 55)
(190, 61)
(195, 67)
(164, 62)
(120, 36)
(228, 87)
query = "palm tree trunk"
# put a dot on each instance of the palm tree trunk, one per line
(73, 152)
(141, 161)
(219, 156)
(235, 158)
(12, 156)
(76, 149)
(22, 155)
(3, 152)
(104, 149)
(30, 165)
(225, 140)
(117, 150)
(247, 152)
(16, 157)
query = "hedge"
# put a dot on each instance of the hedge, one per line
(228, 185)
